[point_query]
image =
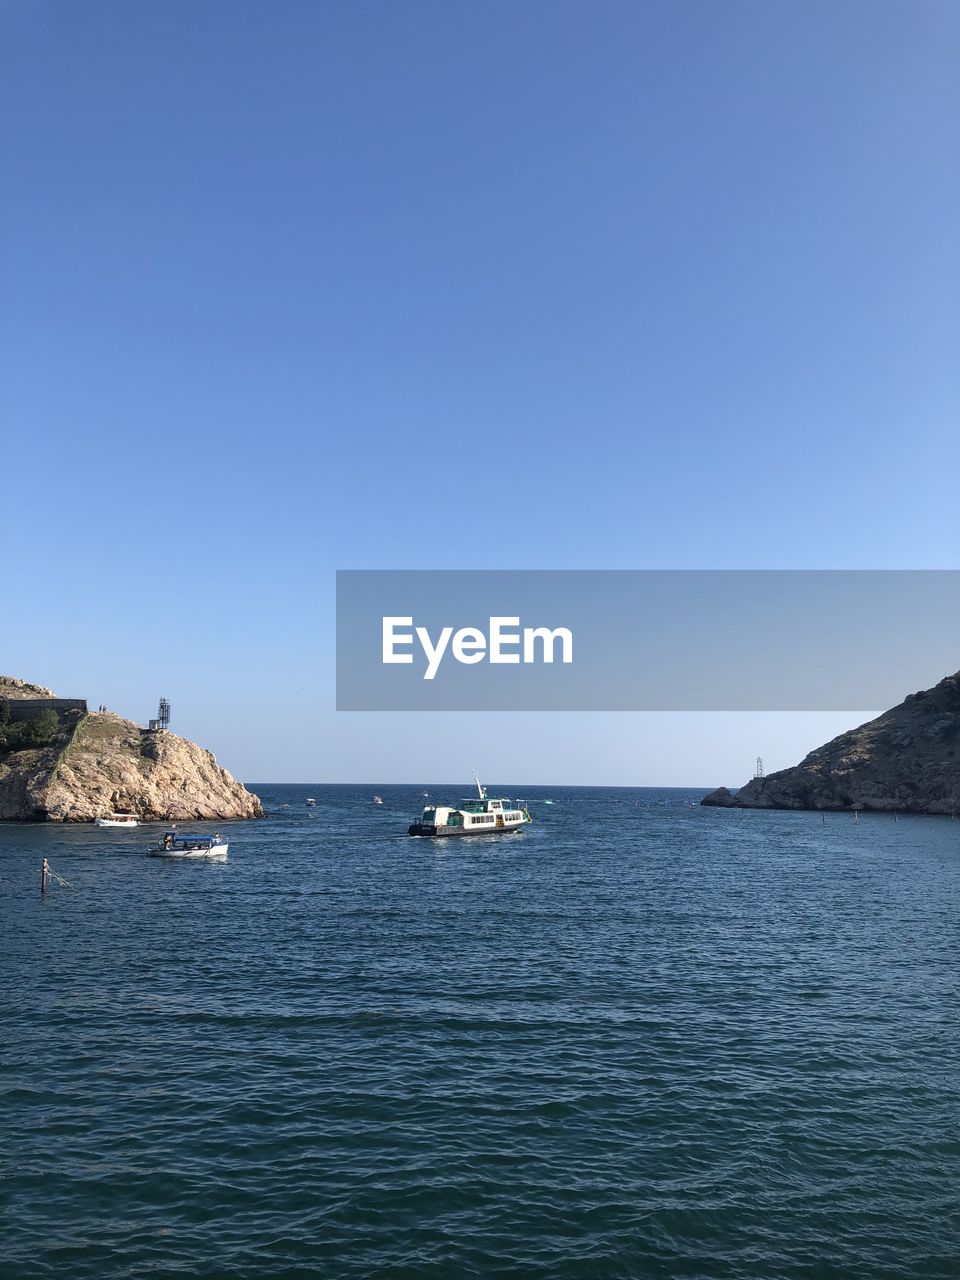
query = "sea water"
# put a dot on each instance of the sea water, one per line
(641, 1038)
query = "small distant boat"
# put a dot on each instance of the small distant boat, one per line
(176, 846)
(310, 802)
(480, 817)
(548, 802)
(119, 820)
(378, 799)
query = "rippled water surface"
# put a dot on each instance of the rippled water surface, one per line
(640, 1039)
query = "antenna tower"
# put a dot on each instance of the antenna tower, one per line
(163, 716)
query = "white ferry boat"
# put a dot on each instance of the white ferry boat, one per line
(118, 820)
(481, 817)
(174, 845)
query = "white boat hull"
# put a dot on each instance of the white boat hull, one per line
(112, 822)
(423, 829)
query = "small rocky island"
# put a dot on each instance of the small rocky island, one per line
(907, 761)
(60, 762)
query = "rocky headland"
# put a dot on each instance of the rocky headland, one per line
(906, 761)
(62, 763)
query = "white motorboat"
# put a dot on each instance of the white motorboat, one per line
(118, 820)
(174, 845)
(378, 799)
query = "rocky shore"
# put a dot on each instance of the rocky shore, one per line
(906, 761)
(96, 762)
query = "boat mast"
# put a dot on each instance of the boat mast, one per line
(483, 794)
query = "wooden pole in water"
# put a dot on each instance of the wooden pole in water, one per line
(44, 868)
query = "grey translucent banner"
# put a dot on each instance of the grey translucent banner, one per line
(643, 640)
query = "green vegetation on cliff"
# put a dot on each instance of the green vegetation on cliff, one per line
(40, 731)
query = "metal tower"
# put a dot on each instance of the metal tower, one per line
(759, 773)
(163, 716)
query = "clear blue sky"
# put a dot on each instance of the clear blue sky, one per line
(291, 287)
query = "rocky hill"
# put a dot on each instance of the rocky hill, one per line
(12, 688)
(89, 764)
(907, 760)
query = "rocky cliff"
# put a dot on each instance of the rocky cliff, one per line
(99, 762)
(907, 760)
(12, 688)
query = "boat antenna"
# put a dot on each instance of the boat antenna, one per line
(483, 794)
